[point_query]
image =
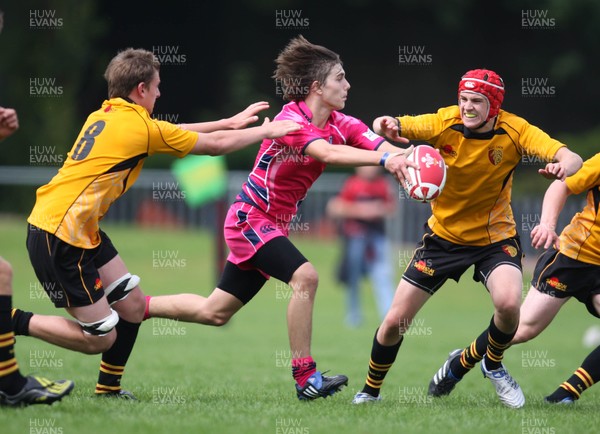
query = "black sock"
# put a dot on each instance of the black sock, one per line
(582, 379)
(470, 356)
(114, 360)
(11, 380)
(498, 342)
(382, 359)
(560, 394)
(20, 321)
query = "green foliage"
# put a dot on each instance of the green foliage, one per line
(586, 143)
(48, 50)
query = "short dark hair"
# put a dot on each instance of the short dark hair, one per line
(301, 63)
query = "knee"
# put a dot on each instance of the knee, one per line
(99, 344)
(523, 334)
(132, 308)
(6, 274)
(135, 306)
(217, 319)
(305, 279)
(392, 326)
(508, 308)
(5, 268)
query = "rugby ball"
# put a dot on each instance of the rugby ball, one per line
(427, 183)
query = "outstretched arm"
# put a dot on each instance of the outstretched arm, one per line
(566, 163)
(241, 120)
(224, 142)
(544, 235)
(389, 127)
(345, 155)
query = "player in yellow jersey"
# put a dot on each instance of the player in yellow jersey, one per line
(15, 389)
(73, 258)
(570, 267)
(471, 225)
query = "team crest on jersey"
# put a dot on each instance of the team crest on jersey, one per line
(423, 268)
(556, 284)
(98, 284)
(495, 155)
(449, 150)
(509, 250)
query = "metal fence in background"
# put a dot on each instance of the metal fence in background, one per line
(156, 200)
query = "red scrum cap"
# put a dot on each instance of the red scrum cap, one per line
(486, 83)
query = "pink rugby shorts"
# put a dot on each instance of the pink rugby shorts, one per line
(246, 230)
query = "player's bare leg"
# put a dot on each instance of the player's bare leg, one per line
(300, 309)
(130, 304)
(505, 286)
(15, 389)
(69, 334)
(538, 310)
(216, 309)
(310, 383)
(408, 300)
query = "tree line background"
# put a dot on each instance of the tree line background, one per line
(218, 57)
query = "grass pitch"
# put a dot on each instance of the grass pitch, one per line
(237, 379)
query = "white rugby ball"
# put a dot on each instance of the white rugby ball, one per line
(427, 183)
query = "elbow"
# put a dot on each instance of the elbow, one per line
(211, 144)
(327, 160)
(213, 151)
(214, 146)
(575, 164)
(330, 157)
(578, 162)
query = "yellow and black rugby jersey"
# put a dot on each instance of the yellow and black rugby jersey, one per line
(474, 207)
(104, 162)
(580, 240)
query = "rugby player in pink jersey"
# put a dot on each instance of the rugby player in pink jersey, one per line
(256, 229)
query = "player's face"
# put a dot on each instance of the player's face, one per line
(335, 89)
(473, 109)
(151, 93)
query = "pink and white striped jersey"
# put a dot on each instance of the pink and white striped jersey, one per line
(282, 173)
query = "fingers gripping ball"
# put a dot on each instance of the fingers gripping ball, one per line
(427, 183)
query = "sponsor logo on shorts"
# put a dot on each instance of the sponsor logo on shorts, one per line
(423, 268)
(98, 284)
(556, 284)
(510, 250)
(265, 229)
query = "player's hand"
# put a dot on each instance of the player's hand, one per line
(9, 122)
(545, 236)
(247, 116)
(398, 165)
(387, 126)
(553, 171)
(277, 129)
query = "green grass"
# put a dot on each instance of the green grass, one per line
(236, 379)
